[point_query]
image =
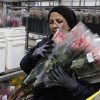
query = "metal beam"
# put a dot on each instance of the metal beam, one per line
(11, 75)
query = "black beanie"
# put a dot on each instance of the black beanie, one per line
(67, 13)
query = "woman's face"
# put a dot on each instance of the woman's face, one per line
(56, 21)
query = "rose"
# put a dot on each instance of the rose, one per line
(80, 44)
(96, 55)
(59, 38)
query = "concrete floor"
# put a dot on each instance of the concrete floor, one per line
(97, 97)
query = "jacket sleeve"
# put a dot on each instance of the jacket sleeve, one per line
(29, 61)
(83, 91)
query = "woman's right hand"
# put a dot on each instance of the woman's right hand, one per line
(45, 49)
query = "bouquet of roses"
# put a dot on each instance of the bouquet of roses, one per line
(76, 50)
(83, 54)
(88, 66)
(64, 51)
(41, 72)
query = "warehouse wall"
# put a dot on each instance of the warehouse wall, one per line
(77, 2)
(44, 3)
(68, 3)
(71, 3)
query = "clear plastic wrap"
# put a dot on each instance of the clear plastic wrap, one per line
(64, 52)
(79, 50)
(41, 71)
(87, 67)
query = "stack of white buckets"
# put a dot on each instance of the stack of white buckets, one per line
(12, 48)
(2, 51)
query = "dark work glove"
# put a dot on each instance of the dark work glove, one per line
(45, 49)
(63, 78)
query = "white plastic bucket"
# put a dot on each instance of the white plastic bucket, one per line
(15, 52)
(15, 49)
(14, 38)
(2, 57)
(2, 36)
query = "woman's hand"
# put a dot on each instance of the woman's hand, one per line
(63, 78)
(45, 49)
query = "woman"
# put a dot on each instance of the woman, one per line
(58, 17)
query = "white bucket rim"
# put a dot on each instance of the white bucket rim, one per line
(2, 46)
(15, 34)
(20, 43)
(12, 39)
(2, 36)
(16, 43)
(2, 40)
